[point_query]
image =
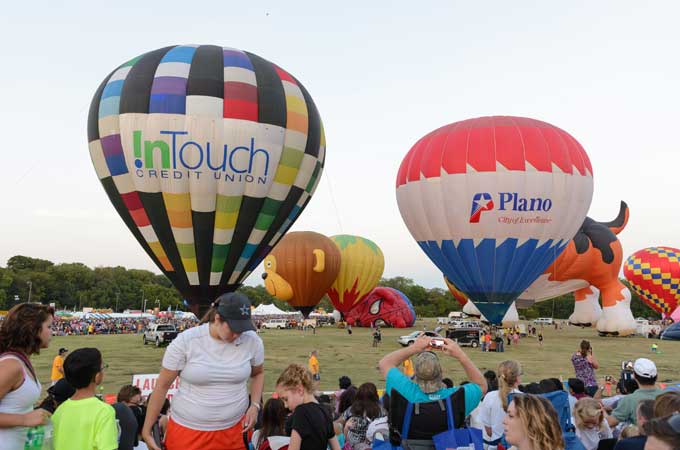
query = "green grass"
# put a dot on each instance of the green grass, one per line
(342, 354)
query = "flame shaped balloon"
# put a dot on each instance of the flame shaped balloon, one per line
(654, 274)
(361, 266)
(209, 155)
(460, 297)
(493, 201)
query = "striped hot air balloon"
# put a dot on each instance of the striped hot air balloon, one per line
(654, 275)
(493, 201)
(209, 155)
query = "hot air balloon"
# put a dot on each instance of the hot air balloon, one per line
(654, 274)
(301, 268)
(361, 266)
(209, 155)
(493, 201)
(460, 297)
(383, 306)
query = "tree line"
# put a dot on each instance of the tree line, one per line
(74, 286)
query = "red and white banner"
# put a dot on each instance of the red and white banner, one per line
(147, 382)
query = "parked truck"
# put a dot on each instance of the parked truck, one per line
(160, 334)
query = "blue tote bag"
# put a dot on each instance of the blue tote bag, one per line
(457, 438)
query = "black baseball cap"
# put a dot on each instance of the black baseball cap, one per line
(234, 308)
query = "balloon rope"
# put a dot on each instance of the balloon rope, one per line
(330, 190)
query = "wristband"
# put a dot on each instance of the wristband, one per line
(256, 405)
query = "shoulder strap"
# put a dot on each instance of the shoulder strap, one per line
(23, 359)
(449, 413)
(407, 421)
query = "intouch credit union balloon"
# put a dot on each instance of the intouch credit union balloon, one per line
(654, 274)
(493, 201)
(209, 155)
(301, 268)
(361, 266)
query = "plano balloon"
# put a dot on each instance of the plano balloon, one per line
(208, 154)
(493, 201)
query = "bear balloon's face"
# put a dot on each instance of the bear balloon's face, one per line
(275, 284)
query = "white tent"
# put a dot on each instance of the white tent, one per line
(270, 310)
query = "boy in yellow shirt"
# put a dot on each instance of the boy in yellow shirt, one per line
(84, 422)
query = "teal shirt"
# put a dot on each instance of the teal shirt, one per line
(626, 409)
(412, 392)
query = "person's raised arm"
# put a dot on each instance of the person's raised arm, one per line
(472, 372)
(593, 362)
(397, 357)
(163, 383)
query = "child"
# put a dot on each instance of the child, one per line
(311, 423)
(313, 364)
(591, 426)
(84, 422)
(273, 430)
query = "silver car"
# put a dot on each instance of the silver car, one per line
(409, 339)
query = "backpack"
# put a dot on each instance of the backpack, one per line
(453, 437)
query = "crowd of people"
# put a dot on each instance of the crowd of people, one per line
(220, 364)
(128, 325)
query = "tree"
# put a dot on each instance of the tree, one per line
(19, 263)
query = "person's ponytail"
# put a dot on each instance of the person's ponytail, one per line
(508, 377)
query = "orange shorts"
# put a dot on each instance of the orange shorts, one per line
(178, 437)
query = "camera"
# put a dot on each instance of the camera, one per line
(437, 343)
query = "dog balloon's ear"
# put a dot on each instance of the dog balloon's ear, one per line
(320, 260)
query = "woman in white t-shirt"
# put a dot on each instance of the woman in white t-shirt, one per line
(495, 404)
(214, 362)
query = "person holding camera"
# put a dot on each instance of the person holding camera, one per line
(427, 388)
(584, 365)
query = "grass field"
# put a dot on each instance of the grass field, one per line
(342, 354)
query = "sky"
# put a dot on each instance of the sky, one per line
(382, 74)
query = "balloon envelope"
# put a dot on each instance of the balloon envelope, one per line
(654, 274)
(383, 306)
(301, 268)
(209, 155)
(361, 266)
(493, 201)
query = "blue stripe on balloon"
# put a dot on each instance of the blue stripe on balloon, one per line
(167, 104)
(116, 164)
(109, 107)
(492, 276)
(410, 308)
(181, 54)
(113, 89)
(248, 251)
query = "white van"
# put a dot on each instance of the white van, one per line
(276, 323)
(544, 321)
